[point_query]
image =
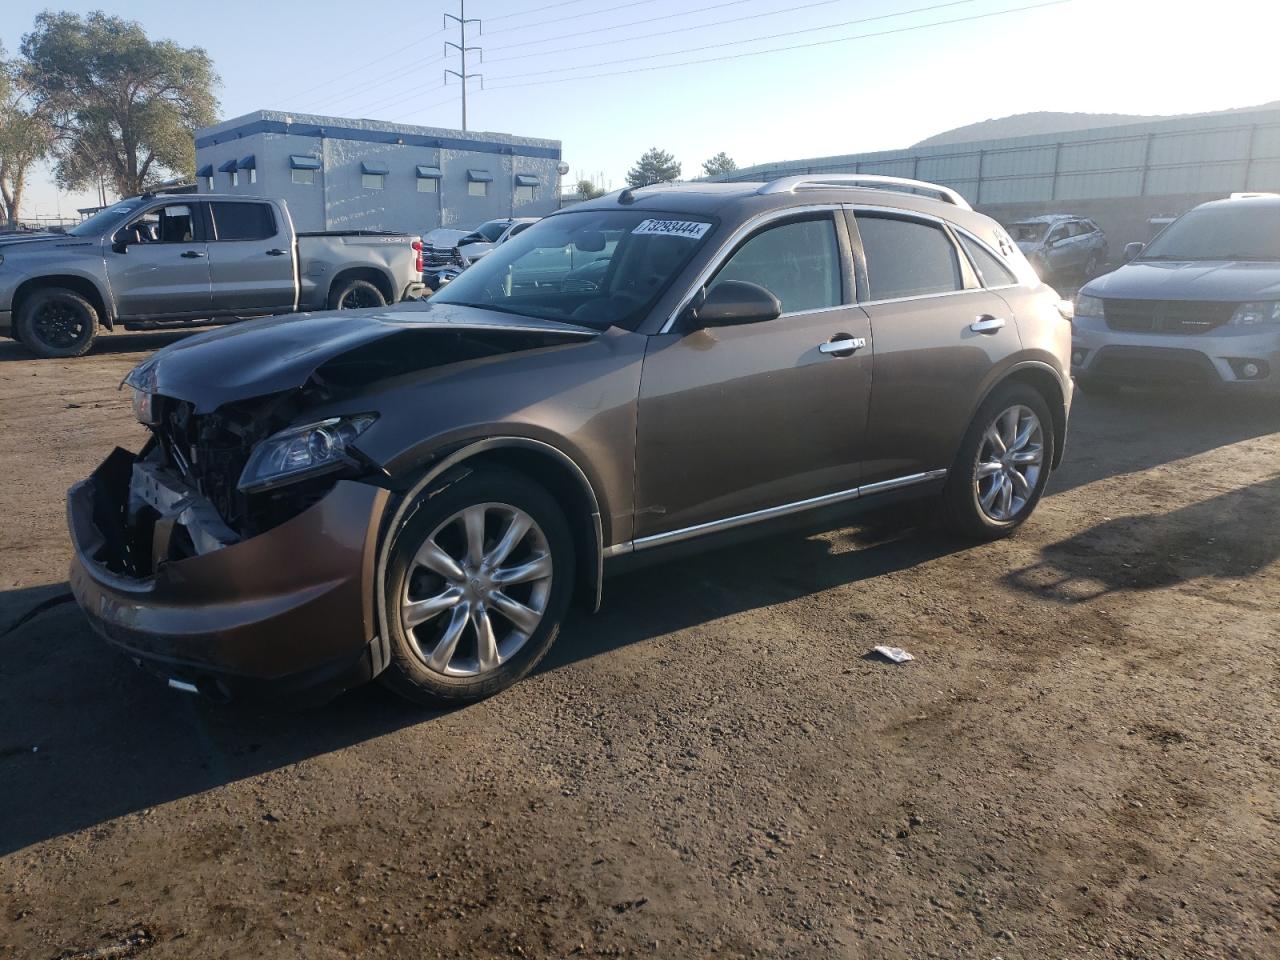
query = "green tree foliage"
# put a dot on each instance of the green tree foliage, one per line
(25, 138)
(655, 166)
(122, 104)
(720, 163)
(587, 190)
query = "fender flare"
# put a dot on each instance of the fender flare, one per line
(381, 648)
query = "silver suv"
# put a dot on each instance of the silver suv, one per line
(1201, 304)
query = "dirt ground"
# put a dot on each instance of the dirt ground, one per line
(1083, 760)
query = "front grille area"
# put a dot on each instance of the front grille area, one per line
(434, 258)
(1167, 316)
(208, 454)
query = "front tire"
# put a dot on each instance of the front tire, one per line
(478, 581)
(57, 322)
(1002, 467)
(355, 295)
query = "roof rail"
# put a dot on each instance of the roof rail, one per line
(791, 184)
(1252, 194)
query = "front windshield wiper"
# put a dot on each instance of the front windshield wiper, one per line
(494, 308)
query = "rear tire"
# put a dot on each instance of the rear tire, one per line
(355, 295)
(468, 613)
(56, 322)
(1012, 433)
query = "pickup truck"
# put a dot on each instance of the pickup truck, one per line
(185, 259)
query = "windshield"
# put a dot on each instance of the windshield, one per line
(1238, 230)
(104, 221)
(492, 230)
(1028, 232)
(598, 268)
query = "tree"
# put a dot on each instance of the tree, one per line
(654, 166)
(587, 190)
(119, 101)
(720, 163)
(25, 138)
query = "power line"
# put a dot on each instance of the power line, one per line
(617, 26)
(401, 98)
(664, 33)
(796, 46)
(381, 59)
(564, 3)
(381, 79)
(734, 43)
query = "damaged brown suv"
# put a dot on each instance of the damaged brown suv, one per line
(418, 492)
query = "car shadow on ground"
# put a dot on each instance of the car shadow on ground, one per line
(1230, 536)
(108, 344)
(1139, 429)
(86, 737)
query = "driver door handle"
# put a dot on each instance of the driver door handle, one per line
(842, 345)
(987, 324)
(277, 252)
(192, 254)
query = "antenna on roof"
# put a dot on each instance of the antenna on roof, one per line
(627, 196)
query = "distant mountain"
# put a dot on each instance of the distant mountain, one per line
(1044, 121)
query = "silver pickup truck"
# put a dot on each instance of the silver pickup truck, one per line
(181, 259)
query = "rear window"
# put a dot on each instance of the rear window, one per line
(242, 221)
(993, 272)
(908, 258)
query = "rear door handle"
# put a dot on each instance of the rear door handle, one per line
(276, 253)
(192, 254)
(842, 345)
(987, 324)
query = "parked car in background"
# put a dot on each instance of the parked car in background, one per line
(190, 259)
(418, 493)
(1200, 304)
(1061, 246)
(440, 259)
(481, 242)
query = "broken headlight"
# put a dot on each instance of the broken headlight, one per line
(301, 452)
(142, 379)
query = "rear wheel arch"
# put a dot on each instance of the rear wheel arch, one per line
(373, 275)
(543, 463)
(81, 285)
(1041, 377)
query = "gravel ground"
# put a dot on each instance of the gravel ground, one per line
(1081, 762)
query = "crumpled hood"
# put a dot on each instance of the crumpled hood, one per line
(1222, 280)
(1028, 246)
(259, 357)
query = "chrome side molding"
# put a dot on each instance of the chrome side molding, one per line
(769, 513)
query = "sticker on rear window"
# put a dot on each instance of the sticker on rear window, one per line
(693, 229)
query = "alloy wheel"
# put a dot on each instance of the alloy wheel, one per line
(58, 324)
(358, 298)
(476, 590)
(1009, 462)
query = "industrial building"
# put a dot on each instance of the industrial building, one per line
(1129, 179)
(343, 174)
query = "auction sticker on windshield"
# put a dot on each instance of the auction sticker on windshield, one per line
(692, 229)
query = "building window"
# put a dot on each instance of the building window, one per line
(428, 185)
(253, 174)
(235, 178)
(373, 181)
(304, 176)
(524, 194)
(208, 183)
(477, 188)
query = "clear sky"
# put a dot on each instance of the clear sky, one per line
(866, 93)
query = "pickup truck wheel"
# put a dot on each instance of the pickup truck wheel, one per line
(478, 580)
(1003, 465)
(57, 322)
(355, 295)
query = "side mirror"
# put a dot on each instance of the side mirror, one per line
(120, 243)
(1131, 250)
(734, 302)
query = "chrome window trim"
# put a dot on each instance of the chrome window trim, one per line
(769, 513)
(987, 247)
(748, 226)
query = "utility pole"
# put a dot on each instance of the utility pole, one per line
(462, 48)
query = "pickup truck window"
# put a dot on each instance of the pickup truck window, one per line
(242, 221)
(170, 224)
(105, 220)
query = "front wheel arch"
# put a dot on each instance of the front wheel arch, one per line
(542, 462)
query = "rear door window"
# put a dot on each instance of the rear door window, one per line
(991, 269)
(242, 221)
(907, 258)
(798, 262)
